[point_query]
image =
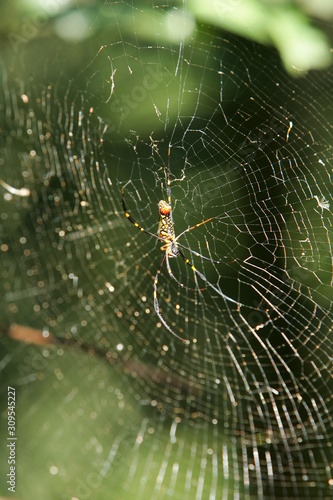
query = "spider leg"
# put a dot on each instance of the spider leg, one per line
(156, 305)
(168, 178)
(194, 227)
(197, 254)
(133, 221)
(175, 279)
(203, 277)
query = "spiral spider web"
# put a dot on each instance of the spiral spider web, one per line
(246, 409)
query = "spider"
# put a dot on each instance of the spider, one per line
(172, 248)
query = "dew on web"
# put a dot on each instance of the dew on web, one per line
(244, 407)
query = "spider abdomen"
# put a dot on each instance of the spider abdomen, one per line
(165, 227)
(166, 230)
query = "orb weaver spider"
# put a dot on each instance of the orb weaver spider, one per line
(172, 248)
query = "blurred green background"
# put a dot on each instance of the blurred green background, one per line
(87, 87)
